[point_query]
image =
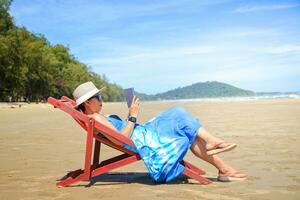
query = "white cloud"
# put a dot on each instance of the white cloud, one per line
(246, 9)
(148, 55)
(282, 49)
(241, 32)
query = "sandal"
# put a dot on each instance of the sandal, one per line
(219, 149)
(237, 176)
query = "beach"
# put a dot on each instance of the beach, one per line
(40, 144)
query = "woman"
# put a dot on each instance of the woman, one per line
(163, 141)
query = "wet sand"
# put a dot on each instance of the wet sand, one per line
(39, 144)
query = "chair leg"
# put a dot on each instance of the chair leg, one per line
(193, 167)
(88, 150)
(96, 152)
(190, 173)
(72, 174)
(113, 163)
(72, 177)
(103, 167)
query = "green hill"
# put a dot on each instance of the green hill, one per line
(208, 89)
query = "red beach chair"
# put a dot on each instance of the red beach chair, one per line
(95, 168)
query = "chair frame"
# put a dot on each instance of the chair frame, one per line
(95, 168)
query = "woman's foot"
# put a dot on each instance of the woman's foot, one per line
(217, 146)
(231, 176)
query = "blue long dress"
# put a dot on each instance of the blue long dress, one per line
(163, 142)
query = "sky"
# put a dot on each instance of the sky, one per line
(158, 45)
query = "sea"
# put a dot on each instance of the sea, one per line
(234, 99)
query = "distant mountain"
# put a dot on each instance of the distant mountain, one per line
(145, 97)
(208, 89)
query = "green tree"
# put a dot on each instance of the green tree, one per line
(31, 69)
(6, 21)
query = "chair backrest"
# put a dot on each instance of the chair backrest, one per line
(67, 105)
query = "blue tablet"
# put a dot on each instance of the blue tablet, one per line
(129, 93)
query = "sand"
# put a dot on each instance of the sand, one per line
(39, 144)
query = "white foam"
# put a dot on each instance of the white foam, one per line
(244, 98)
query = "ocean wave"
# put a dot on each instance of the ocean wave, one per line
(244, 98)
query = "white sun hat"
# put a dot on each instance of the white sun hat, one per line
(85, 91)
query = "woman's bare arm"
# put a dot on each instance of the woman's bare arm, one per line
(127, 130)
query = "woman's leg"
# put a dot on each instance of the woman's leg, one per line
(199, 149)
(210, 141)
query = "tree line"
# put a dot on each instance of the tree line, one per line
(31, 69)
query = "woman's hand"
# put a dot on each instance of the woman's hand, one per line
(134, 108)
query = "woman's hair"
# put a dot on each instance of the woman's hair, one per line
(81, 107)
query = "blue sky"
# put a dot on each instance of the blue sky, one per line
(158, 45)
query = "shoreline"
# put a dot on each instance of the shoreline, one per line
(202, 100)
